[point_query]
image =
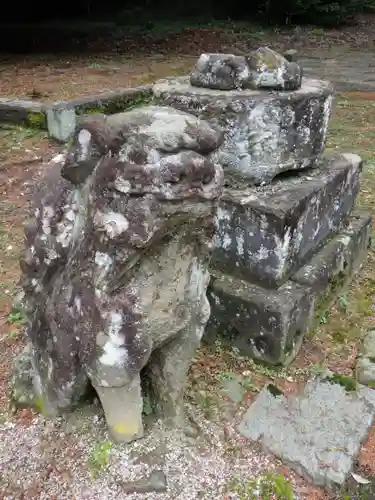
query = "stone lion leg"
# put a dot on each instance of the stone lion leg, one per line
(123, 410)
(168, 368)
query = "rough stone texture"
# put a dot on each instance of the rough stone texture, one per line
(115, 268)
(18, 111)
(365, 368)
(62, 116)
(269, 325)
(336, 263)
(264, 234)
(265, 133)
(273, 71)
(318, 433)
(260, 69)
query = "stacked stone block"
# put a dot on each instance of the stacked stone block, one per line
(287, 239)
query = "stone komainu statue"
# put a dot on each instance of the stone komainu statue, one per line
(115, 268)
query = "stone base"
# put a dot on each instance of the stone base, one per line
(265, 234)
(269, 325)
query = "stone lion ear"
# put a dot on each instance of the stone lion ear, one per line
(91, 141)
(97, 126)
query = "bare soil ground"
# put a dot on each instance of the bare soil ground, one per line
(72, 458)
(128, 58)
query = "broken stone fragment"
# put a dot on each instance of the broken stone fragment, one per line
(115, 268)
(261, 69)
(271, 70)
(222, 72)
(155, 483)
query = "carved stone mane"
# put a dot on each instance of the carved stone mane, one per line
(115, 269)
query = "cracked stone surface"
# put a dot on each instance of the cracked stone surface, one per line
(317, 432)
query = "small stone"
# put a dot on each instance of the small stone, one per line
(155, 483)
(222, 72)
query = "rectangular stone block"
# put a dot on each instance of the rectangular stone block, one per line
(62, 115)
(265, 133)
(20, 112)
(61, 122)
(265, 234)
(332, 268)
(269, 325)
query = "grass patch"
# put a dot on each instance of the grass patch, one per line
(268, 486)
(99, 457)
(352, 131)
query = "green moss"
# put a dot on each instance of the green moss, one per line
(39, 405)
(126, 103)
(99, 457)
(349, 383)
(37, 120)
(268, 486)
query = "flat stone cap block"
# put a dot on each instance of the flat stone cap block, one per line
(318, 433)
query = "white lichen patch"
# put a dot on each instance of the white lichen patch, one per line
(103, 264)
(122, 185)
(112, 223)
(114, 350)
(223, 225)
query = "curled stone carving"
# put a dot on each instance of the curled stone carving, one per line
(115, 268)
(260, 69)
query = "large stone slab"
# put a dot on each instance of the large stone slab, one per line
(265, 132)
(264, 234)
(318, 433)
(269, 325)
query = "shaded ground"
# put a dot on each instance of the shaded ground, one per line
(39, 460)
(106, 56)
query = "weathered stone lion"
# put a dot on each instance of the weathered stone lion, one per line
(115, 268)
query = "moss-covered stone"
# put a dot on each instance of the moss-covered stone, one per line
(116, 105)
(37, 120)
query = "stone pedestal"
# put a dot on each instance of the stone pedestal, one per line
(286, 237)
(270, 324)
